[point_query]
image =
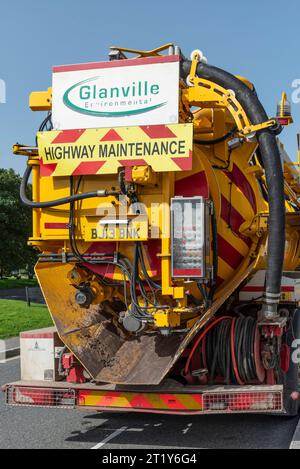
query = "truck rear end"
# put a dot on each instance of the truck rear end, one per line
(165, 214)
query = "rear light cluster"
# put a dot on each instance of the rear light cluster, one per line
(243, 402)
(190, 237)
(44, 397)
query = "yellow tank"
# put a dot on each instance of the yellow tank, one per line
(113, 297)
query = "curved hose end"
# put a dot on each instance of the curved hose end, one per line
(269, 312)
(272, 164)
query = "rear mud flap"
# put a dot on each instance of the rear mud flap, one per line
(112, 359)
(98, 342)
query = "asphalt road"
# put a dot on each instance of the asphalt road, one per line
(22, 427)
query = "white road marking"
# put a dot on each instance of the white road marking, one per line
(188, 427)
(9, 359)
(295, 443)
(110, 437)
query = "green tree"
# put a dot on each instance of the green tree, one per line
(15, 225)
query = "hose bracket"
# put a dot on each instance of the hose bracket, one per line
(26, 150)
(190, 79)
(251, 130)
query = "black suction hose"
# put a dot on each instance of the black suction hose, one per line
(273, 169)
(55, 203)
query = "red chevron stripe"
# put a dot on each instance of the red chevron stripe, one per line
(111, 136)
(89, 167)
(82, 395)
(220, 280)
(152, 249)
(228, 253)
(240, 180)
(233, 219)
(172, 402)
(105, 270)
(47, 169)
(186, 163)
(141, 401)
(157, 131)
(195, 184)
(115, 63)
(55, 226)
(68, 136)
(139, 162)
(198, 398)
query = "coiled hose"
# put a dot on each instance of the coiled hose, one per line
(274, 176)
(62, 201)
(227, 350)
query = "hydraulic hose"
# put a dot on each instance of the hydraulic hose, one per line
(274, 176)
(214, 141)
(62, 201)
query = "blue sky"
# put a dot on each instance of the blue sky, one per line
(257, 39)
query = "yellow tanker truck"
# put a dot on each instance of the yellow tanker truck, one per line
(166, 216)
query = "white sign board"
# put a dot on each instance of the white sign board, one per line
(118, 93)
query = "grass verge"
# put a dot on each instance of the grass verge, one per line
(16, 316)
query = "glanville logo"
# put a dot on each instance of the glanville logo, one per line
(91, 97)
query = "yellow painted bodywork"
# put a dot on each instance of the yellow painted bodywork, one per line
(231, 179)
(219, 112)
(41, 100)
